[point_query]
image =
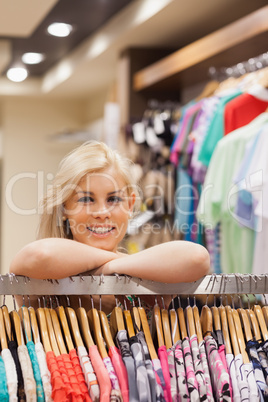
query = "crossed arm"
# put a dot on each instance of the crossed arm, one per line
(53, 258)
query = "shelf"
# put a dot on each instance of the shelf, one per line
(123, 285)
(236, 42)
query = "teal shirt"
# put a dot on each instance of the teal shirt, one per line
(4, 396)
(216, 129)
(36, 371)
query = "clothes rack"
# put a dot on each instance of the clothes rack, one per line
(121, 285)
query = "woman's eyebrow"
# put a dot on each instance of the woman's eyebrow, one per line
(92, 193)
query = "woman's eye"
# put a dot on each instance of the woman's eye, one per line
(114, 199)
(85, 199)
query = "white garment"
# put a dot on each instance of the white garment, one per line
(233, 377)
(253, 388)
(44, 371)
(11, 373)
(89, 374)
(257, 184)
(27, 373)
(241, 376)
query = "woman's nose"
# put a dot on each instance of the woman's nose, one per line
(101, 212)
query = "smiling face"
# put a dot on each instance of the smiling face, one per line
(99, 208)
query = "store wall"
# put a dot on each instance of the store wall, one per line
(29, 162)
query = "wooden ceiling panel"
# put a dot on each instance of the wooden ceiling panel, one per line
(20, 18)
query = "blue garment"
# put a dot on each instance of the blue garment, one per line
(36, 371)
(244, 207)
(251, 348)
(217, 249)
(184, 203)
(4, 396)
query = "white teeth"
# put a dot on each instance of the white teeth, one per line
(100, 230)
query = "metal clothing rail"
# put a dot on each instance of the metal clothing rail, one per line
(123, 285)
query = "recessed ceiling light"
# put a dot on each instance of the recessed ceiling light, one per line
(17, 74)
(60, 29)
(32, 58)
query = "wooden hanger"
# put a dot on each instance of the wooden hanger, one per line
(106, 329)
(246, 324)
(197, 322)
(17, 327)
(232, 330)
(50, 330)
(254, 323)
(182, 323)
(225, 329)
(3, 337)
(43, 329)
(95, 326)
(175, 332)
(73, 323)
(157, 325)
(209, 90)
(206, 320)
(58, 331)
(66, 330)
(260, 317)
(190, 321)
(147, 333)
(26, 323)
(136, 318)
(116, 321)
(7, 322)
(265, 310)
(129, 323)
(166, 328)
(216, 318)
(34, 325)
(240, 336)
(84, 327)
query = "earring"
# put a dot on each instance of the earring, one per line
(64, 218)
(68, 228)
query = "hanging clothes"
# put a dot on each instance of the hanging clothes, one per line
(220, 378)
(89, 374)
(149, 367)
(143, 384)
(127, 357)
(45, 374)
(183, 391)
(217, 205)
(251, 348)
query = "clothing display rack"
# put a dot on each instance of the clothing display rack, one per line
(123, 285)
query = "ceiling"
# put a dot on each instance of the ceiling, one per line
(85, 62)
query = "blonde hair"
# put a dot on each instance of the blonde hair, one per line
(90, 157)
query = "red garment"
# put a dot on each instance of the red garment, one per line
(101, 373)
(163, 357)
(59, 391)
(79, 375)
(241, 111)
(120, 370)
(69, 378)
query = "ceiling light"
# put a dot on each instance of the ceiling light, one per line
(32, 58)
(17, 74)
(60, 29)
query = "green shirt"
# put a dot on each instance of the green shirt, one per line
(219, 197)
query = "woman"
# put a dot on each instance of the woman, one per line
(84, 218)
